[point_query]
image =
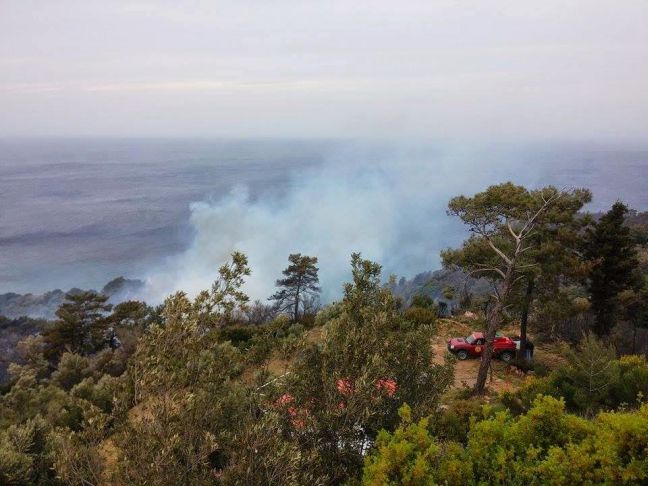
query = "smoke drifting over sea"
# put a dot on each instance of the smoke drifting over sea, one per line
(387, 204)
(171, 212)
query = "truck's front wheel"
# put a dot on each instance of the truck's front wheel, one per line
(462, 354)
(506, 356)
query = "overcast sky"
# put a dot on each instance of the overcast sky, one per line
(305, 68)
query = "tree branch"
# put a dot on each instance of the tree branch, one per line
(510, 228)
(499, 252)
(529, 225)
(486, 268)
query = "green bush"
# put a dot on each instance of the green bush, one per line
(23, 454)
(346, 387)
(411, 456)
(632, 385)
(424, 301)
(454, 422)
(547, 445)
(72, 369)
(592, 380)
(239, 336)
(540, 368)
(421, 315)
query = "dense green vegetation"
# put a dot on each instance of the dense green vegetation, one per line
(214, 389)
(546, 445)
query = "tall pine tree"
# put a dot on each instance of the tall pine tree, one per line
(80, 327)
(610, 249)
(300, 281)
(506, 222)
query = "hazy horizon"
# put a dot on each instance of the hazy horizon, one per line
(130, 131)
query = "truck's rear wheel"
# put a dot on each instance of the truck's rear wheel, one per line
(462, 354)
(506, 356)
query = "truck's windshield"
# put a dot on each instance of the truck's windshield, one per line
(470, 339)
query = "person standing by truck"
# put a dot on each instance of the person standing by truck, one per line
(528, 353)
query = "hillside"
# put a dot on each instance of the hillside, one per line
(216, 390)
(44, 306)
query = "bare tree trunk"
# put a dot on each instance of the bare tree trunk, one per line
(296, 310)
(524, 318)
(494, 323)
(508, 273)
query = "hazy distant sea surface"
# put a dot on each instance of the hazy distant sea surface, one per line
(79, 212)
(73, 213)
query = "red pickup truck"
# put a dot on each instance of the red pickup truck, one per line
(473, 345)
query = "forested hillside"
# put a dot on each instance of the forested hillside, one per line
(216, 389)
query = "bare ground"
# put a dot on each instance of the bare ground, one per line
(503, 377)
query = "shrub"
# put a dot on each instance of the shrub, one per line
(23, 454)
(72, 369)
(547, 445)
(632, 385)
(423, 316)
(424, 301)
(453, 422)
(239, 336)
(411, 456)
(344, 389)
(591, 381)
(186, 400)
(75, 454)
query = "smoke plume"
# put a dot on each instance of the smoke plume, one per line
(387, 204)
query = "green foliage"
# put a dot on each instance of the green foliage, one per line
(516, 234)
(452, 423)
(411, 456)
(166, 417)
(631, 387)
(266, 457)
(80, 327)
(101, 394)
(424, 316)
(342, 391)
(563, 315)
(132, 314)
(487, 211)
(591, 372)
(300, 283)
(219, 305)
(36, 415)
(592, 380)
(239, 336)
(30, 351)
(424, 301)
(23, 454)
(545, 446)
(75, 454)
(634, 305)
(182, 377)
(72, 368)
(422, 310)
(611, 250)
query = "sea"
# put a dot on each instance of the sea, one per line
(78, 212)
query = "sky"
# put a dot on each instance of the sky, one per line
(479, 69)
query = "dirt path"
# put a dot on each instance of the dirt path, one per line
(504, 377)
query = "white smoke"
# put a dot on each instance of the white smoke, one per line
(387, 204)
